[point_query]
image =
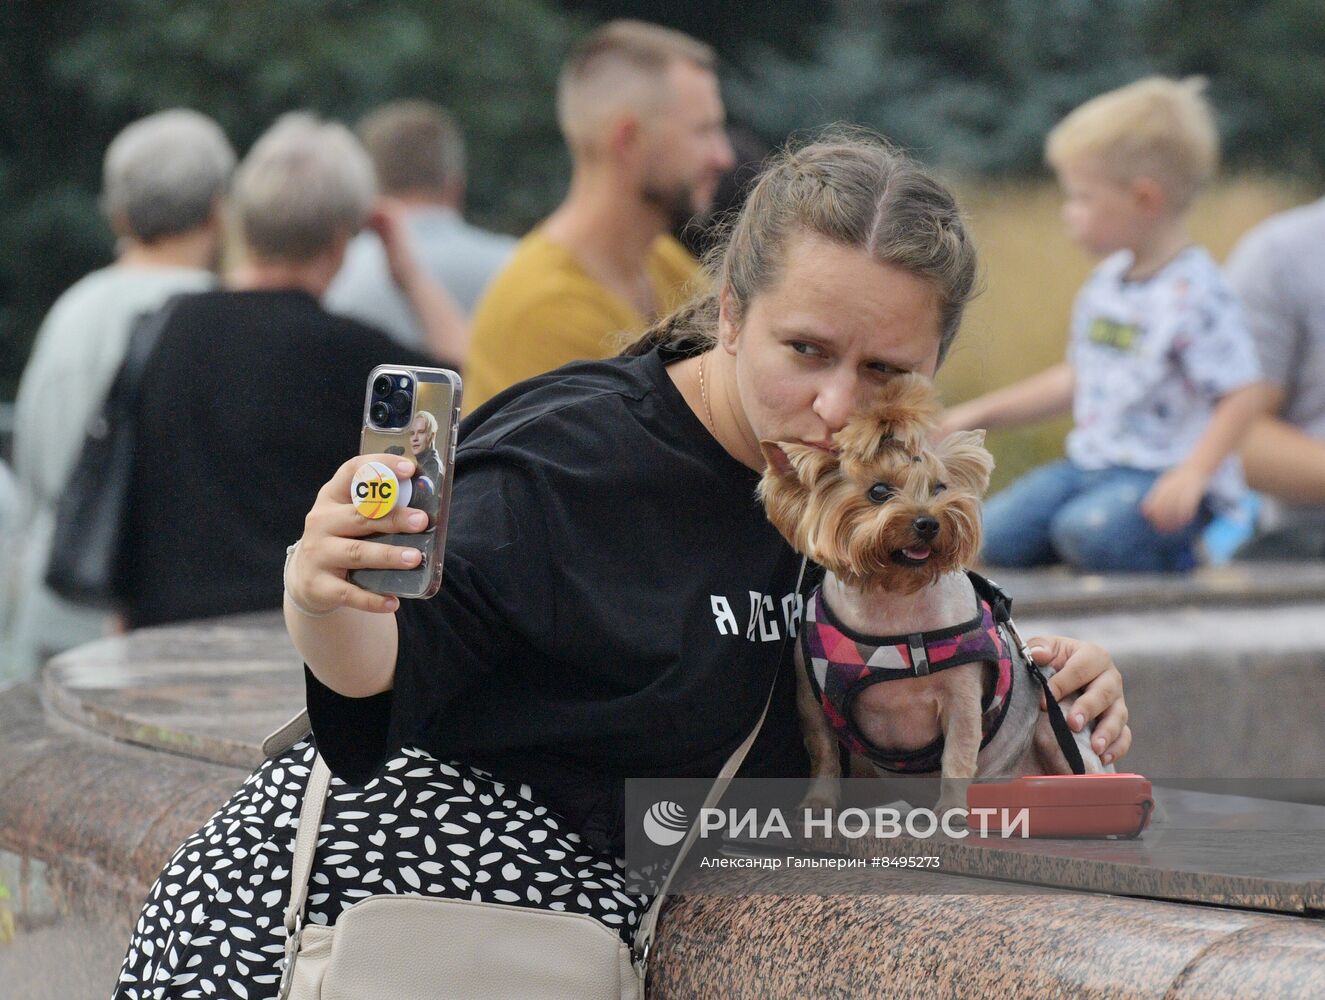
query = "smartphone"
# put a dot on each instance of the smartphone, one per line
(414, 412)
(1065, 805)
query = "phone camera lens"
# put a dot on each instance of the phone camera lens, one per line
(399, 401)
(380, 413)
(381, 385)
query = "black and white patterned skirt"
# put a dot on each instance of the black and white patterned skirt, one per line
(211, 925)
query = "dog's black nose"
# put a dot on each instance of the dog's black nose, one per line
(926, 527)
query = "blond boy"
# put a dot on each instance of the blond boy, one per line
(1161, 374)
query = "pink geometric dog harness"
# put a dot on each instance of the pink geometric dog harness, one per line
(841, 664)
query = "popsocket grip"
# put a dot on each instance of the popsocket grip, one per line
(376, 491)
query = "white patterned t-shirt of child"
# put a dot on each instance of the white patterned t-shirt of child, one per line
(1152, 358)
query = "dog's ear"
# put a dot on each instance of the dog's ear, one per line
(787, 485)
(776, 458)
(796, 463)
(966, 462)
(905, 412)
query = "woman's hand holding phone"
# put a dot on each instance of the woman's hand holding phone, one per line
(335, 542)
(348, 562)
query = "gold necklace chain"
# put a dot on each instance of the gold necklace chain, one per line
(704, 395)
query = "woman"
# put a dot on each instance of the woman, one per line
(614, 601)
(283, 392)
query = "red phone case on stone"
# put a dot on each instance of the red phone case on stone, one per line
(1066, 805)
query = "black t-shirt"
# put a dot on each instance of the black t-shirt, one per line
(249, 403)
(614, 605)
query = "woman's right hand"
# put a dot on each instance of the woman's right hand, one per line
(334, 542)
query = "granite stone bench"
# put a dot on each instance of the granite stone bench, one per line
(127, 745)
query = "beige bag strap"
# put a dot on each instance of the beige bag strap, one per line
(305, 844)
(649, 923)
(287, 736)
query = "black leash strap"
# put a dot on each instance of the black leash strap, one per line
(1066, 740)
(1001, 604)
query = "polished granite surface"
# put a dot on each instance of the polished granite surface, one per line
(1206, 848)
(1040, 947)
(210, 689)
(1222, 675)
(1205, 682)
(1058, 590)
(214, 689)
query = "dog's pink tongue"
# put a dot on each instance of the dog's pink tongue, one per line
(917, 552)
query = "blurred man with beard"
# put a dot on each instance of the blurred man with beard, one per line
(640, 110)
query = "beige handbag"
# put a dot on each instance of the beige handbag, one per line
(399, 947)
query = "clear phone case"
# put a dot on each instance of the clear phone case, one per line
(428, 437)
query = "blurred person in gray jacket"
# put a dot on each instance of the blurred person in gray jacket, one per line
(164, 181)
(1276, 270)
(418, 154)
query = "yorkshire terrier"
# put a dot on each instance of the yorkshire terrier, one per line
(894, 520)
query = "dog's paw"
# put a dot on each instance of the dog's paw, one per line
(951, 812)
(817, 803)
(952, 800)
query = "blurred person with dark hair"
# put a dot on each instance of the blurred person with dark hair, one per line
(255, 393)
(1275, 268)
(640, 110)
(164, 179)
(418, 153)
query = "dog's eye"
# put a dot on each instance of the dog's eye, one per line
(940, 487)
(880, 493)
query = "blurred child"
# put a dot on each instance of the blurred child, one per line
(1161, 374)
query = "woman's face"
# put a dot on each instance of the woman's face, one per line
(816, 349)
(420, 436)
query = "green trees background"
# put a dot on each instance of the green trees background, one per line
(970, 85)
(974, 86)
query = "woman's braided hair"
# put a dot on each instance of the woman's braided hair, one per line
(849, 186)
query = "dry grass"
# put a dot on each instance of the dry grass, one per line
(1019, 324)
